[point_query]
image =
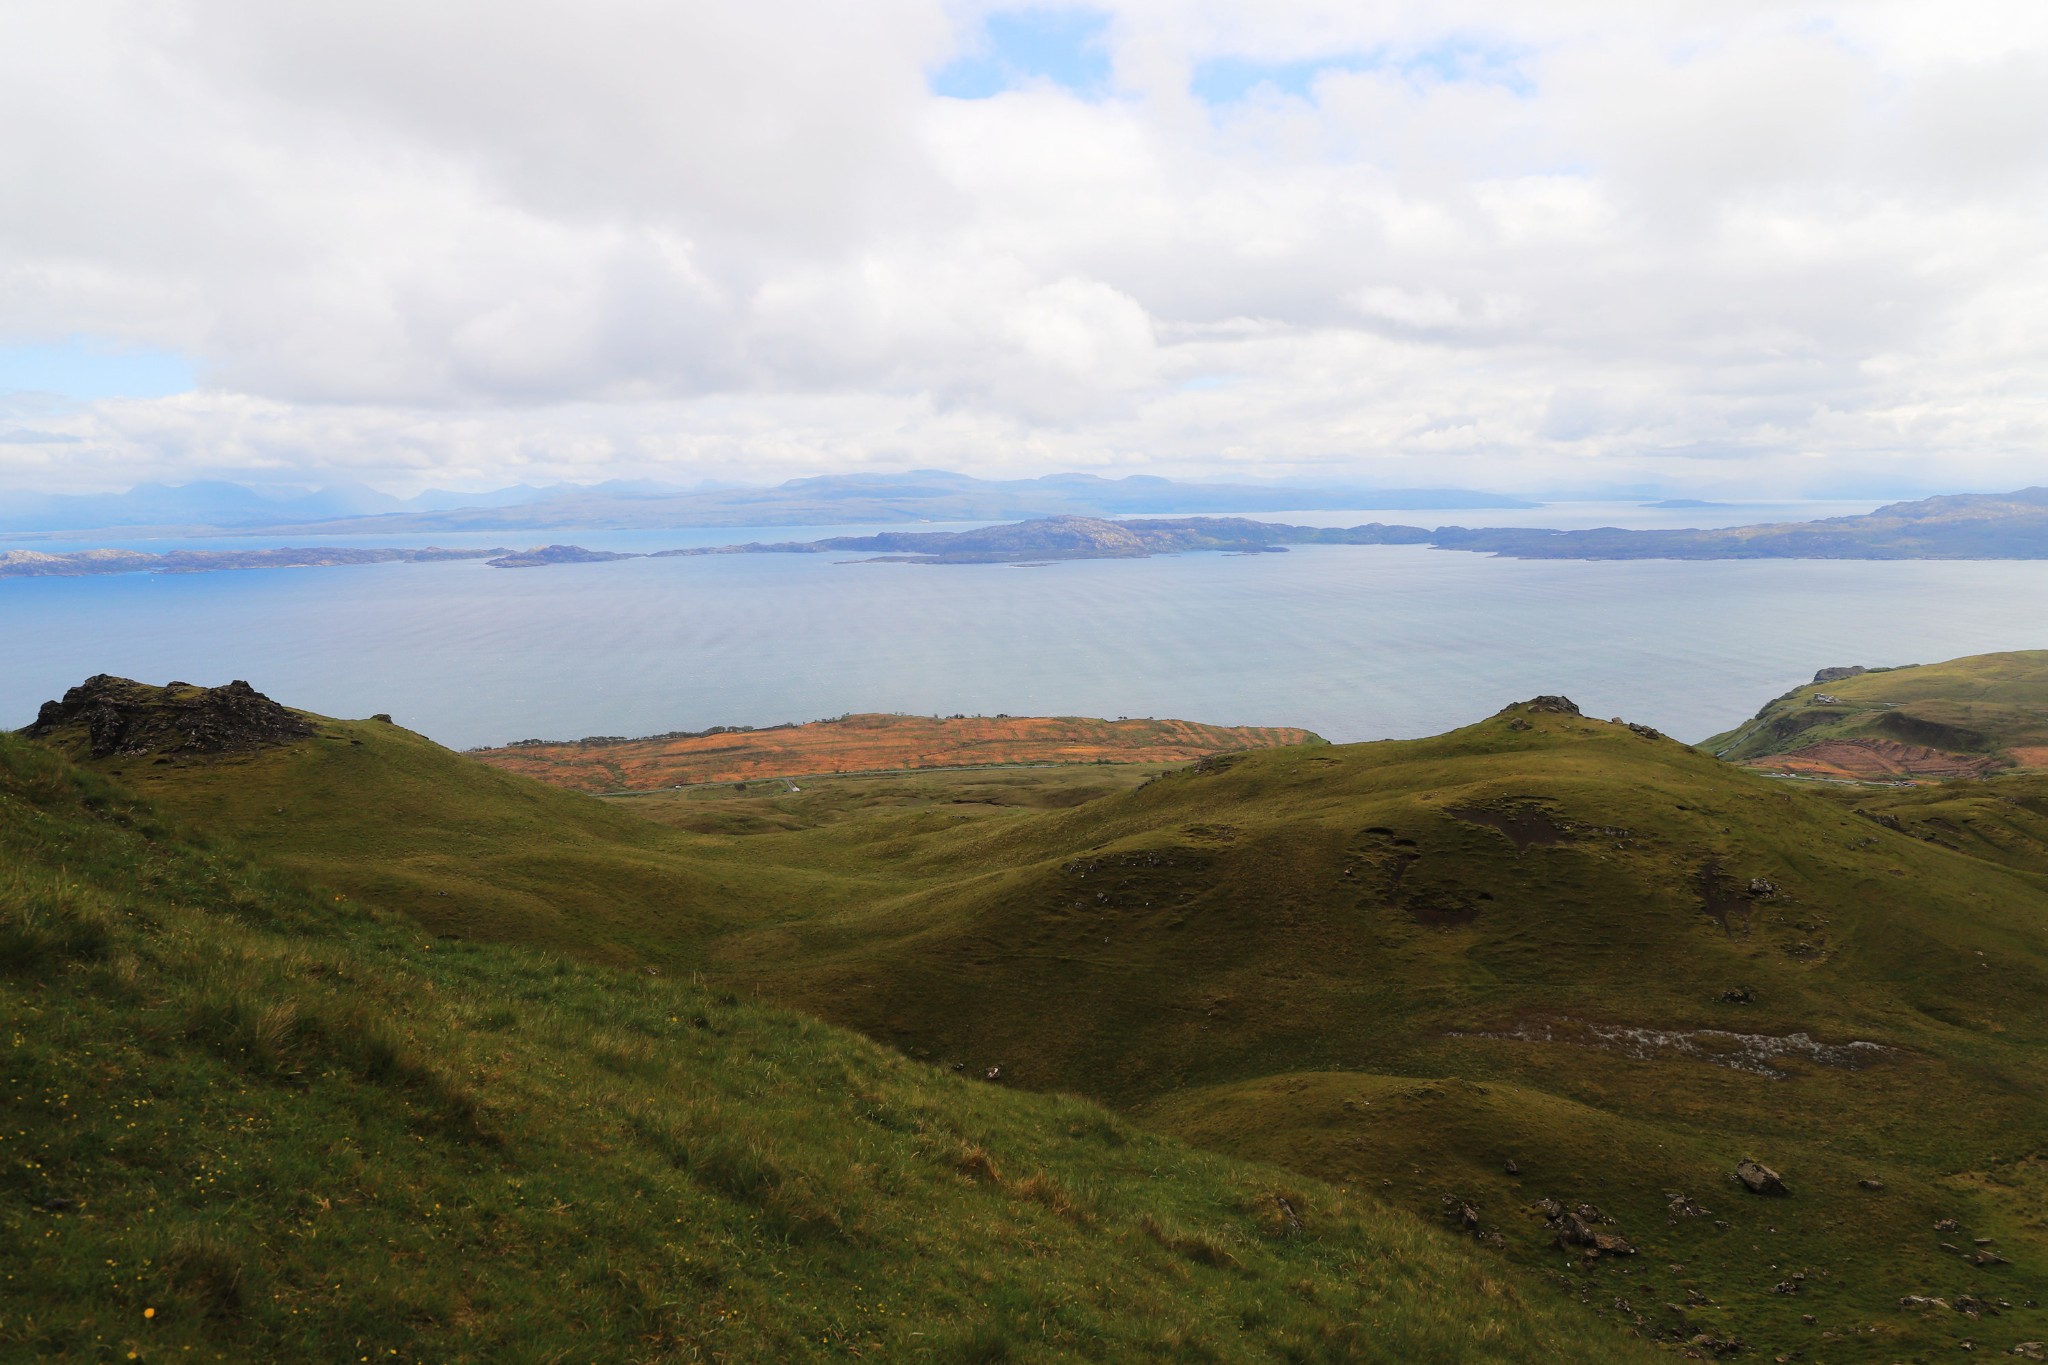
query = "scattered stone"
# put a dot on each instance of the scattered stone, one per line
(1720, 1346)
(992, 1073)
(1947, 1225)
(1988, 1257)
(1581, 1228)
(1919, 1301)
(1682, 1207)
(1739, 995)
(1758, 1178)
(1762, 888)
(2031, 1350)
(1511, 1168)
(1870, 1182)
(1808, 1318)
(1970, 1306)
(1519, 724)
(1785, 1287)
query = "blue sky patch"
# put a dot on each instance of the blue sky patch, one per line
(84, 368)
(1063, 45)
(1228, 80)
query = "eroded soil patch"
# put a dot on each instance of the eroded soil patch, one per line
(1525, 825)
(1877, 760)
(1721, 898)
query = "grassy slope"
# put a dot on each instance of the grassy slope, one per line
(244, 1119)
(1983, 704)
(390, 817)
(874, 743)
(1230, 954)
(1226, 953)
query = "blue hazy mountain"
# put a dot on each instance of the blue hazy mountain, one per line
(627, 504)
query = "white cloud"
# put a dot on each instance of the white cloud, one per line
(1681, 243)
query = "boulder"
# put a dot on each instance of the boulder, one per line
(1758, 1178)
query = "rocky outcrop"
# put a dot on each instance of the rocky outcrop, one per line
(1828, 675)
(117, 717)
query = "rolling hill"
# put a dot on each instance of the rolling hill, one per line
(1544, 980)
(248, 1117)
(1964, 718)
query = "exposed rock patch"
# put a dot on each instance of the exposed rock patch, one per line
(1756, 1053)
(123, 718)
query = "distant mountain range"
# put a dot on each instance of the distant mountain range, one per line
(217, 505)
(1964, 526)
(923, 495)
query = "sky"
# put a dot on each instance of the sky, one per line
(1734, 248)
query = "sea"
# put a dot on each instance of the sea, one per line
(1352, 642)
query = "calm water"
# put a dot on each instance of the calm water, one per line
(1355, 642)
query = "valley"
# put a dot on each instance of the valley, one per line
(1529, 991)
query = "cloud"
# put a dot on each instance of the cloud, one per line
(1469, 241)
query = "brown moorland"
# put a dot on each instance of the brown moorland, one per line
(1880, 760)
(875, 743)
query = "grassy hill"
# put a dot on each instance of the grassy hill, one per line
(873, 743)
(1966, 717)
(1571, 946)
(246, 1118)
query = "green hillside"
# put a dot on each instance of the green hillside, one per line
(1573, 946)
(247, 1119)
(1994, 705)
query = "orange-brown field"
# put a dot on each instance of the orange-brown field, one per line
(1885, 760)
(877, 743)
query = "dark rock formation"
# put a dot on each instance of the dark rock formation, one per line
(1828, 675)
(1563, 706)
(120, 717)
